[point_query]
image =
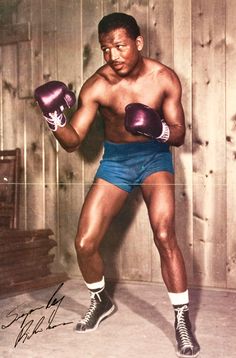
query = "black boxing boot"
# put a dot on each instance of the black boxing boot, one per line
(187, 345)
(101, 307)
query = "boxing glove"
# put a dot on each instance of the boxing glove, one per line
(53, 98)
(141, 119)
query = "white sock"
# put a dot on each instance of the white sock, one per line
(96, 285)
(181, 298)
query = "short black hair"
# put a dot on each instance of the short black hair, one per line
(118, 20)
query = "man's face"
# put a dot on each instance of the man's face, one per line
(121, 52)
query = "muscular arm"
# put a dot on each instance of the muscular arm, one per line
(172, 109)
(71, 136)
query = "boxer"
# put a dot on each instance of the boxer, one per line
(140, 101)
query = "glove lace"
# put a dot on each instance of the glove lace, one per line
(55, 120)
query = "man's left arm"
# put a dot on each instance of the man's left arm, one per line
(172, 109)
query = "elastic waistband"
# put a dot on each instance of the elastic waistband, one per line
(125, 149)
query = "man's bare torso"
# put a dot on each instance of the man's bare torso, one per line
(116, 92)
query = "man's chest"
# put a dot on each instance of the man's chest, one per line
(119, 95)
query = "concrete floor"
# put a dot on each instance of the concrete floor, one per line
(141, 327)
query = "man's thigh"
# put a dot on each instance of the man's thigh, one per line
(158, 193)
(102, 203)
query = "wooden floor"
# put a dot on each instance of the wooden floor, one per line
(40, 324)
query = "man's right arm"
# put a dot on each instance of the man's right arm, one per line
(72, 135)
(53, 102)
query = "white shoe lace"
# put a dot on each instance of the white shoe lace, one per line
(91, 309)
(55, 120)
(181, 327)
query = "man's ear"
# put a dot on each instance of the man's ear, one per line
(139, 42)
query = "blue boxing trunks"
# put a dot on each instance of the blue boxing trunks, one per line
(126, 165)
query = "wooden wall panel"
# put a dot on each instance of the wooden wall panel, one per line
(160, 48)
(135, 235)
(34, 169)
(189, 36)
(92, 60)
(160, 23)
(110, 6)
(70, 167)
(138, 9)
(110, 248)
(12, 126)
(9, 93)
(209, 142)
(30, 76)
(231, 141)
(25, 57)
(50, 145)
(182, 37)
(1, 102)
(24, 89)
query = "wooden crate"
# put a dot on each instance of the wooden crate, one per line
(25, 261)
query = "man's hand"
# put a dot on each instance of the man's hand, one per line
(141, 119)
(53, 98)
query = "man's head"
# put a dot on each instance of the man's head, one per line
(119, 20)
(121, 42)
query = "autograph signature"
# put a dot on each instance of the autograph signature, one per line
(30, 327)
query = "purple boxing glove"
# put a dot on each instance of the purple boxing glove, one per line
(53, 98)
(141, 119)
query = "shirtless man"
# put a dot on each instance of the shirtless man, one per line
(133, 95)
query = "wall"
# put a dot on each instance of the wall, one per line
(57, 39)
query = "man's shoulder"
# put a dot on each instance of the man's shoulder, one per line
(94, 84)
(160, 68)
(99, 78)
(165, 75)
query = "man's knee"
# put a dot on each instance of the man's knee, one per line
(164, 235)
(85, 247)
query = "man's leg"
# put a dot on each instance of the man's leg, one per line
(158, 193)
(102, 204)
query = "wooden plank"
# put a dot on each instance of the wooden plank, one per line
(27, 266)
(161, 30)
(7, 11)
(92, 60)
(1, 101)
(11, 133)
(23, 255)
(14, 33)
(110, 6)
(138, 9)
(231, 141)
(132, 230)
(34, 169)
(12, 128)
(14, 234)
(28, 249)
(12, 112)
(70, 166)
(40, 271)
(92, 148)
(50, 144)
(30, 285)
(22, 271)
(127, 243)
(161, 49)
(34, 156)
(22, 242)
(25, 59)
(182, 37)
(37, 51)
(208, 161)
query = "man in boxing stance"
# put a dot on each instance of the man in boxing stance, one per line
(140, 102)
